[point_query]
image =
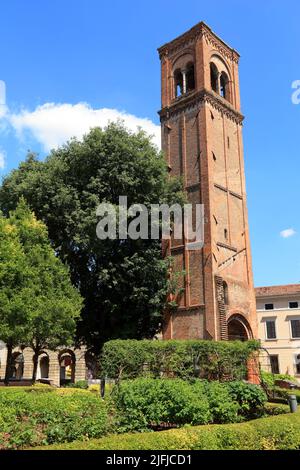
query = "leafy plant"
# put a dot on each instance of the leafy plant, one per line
(251, 398)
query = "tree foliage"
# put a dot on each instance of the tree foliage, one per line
(124, 282)
(38, 303)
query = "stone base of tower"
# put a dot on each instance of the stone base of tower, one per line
(185, 323)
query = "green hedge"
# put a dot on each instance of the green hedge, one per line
(272, 433)
(143, 403)
(36, 416)
(212, 360)
(269, 379)
(284, 393)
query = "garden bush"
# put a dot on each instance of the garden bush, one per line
(43, 416)
(143, 403)
(221, 405)
(269, 379)
(271, 433)
(250, 398)
(213, 360)
(83, 384)
(284, 393)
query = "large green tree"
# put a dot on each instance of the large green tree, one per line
(38, 303)
(15, 294)
(124, 282)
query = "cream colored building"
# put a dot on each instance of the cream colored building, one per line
(278, 315)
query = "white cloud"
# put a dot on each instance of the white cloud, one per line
(3, 110)
(289, 232)
(53, 124)
(2, 159)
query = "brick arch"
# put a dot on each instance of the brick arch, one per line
(220, 63)
(239, 328)
(63, 354)
(181, 59)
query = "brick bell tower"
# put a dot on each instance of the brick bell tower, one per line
(201, 125)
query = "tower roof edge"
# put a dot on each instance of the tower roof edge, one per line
(200, 28)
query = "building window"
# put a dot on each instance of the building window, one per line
(225, 233)
(274, 364)
(270, 329)
(295, 328)
(297, 364)
(269, 306)
(293, 304)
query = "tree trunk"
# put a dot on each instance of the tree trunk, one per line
(9, 348)
(35, 366)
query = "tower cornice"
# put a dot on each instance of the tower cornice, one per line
(201, 30)
(195, 99)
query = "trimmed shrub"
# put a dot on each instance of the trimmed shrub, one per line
(212, 360)
(272, 433)
(36, 416)
(143, 403)
(274, 409)
(284, 393)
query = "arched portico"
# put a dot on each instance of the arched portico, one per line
(43, 366)
(67, 363)
(17, 366)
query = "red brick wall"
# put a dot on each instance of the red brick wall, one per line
(202, 141)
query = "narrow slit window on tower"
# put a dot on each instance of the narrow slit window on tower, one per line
(228, 142)
(226, 234)
(178, 82)
(190, 77)
(225, 293)
(214, 157)
(214, 76)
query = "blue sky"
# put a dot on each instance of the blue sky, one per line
(55, 55)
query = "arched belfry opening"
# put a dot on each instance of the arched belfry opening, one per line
(224, 86)
(190, 77)
(178, 83)
(238, 329)
(214, 78)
